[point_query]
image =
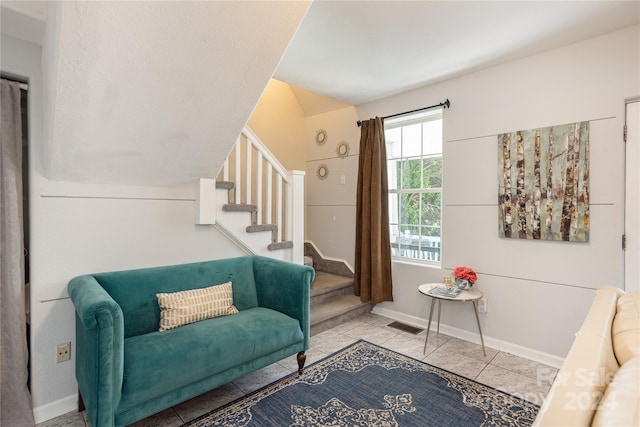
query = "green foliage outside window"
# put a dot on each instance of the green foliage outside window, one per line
(421, 208)
(415, 187)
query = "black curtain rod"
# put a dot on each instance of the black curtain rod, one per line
(444, 104)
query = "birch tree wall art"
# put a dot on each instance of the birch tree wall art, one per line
(543, 183)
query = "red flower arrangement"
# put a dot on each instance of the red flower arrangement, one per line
(465, 273)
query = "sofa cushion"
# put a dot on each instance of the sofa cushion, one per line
(161, 361)
(620, 405)
(184, 307)
(626, 328)
(135, 290)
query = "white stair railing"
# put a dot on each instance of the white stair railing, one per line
(261, 180)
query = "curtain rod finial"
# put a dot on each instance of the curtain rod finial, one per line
(359, 123)
(447, 103)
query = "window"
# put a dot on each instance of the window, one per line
(414, 168)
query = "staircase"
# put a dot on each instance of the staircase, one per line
(253, 227)
(258, 204)
(332, 299)
(260, 207)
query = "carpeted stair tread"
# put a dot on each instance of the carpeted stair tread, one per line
(327, 282)
(225, 185)
(335, 307)
(333, 301)
(262, 227)
(280, 245)
(239, 207)
(252, 209)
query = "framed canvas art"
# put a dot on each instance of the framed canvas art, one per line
(543, 183)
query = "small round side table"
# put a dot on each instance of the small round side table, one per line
(466, 295)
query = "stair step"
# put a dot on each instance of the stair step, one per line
(262, 227)
(225, 185)
(327, 286)
(336, 311)
(280, 245)
(333, 302)
(239, 207)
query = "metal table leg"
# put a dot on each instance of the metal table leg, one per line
(475, 311)
(439, 312)
(433, 303)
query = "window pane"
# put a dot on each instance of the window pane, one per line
(431, 217)
(393, 208)
(432, 172)
(409, 208)
(411, 173)
(409, 244)
(414, 150)
(412, 140)
(393, 138)
(393, 173)
(432, 137)
(394, 235)
(409, 233)
(429, 246)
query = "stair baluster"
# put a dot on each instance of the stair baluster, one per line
(284, 202)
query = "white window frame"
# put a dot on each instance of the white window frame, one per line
(408, 254)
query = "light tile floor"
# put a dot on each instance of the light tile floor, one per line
(516, 375)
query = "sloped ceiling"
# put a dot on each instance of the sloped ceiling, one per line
(360, 51)
(155, 93)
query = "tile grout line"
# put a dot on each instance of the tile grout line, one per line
(485, 366)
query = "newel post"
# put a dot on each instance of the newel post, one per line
(295, 217)
(206, 201)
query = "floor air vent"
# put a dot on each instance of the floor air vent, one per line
(405, 328)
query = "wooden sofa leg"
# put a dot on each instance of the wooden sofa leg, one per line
(80, 402)
(301, 359)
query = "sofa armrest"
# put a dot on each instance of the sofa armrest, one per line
(99, 348)
(285, 287)
(587, 369)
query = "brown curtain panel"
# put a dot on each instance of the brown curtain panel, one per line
(373, 250)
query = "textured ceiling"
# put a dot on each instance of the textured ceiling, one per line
(359, 51)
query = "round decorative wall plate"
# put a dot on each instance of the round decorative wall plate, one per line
(342, 149)
(321, 136)
(322, 171)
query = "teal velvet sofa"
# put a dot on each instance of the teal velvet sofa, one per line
(127, 370)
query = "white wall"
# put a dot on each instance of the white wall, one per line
(538, 292)
(279, 122)
(331, 205)
(81, 228)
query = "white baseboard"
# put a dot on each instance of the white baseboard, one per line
(56, 408)
(518, 350)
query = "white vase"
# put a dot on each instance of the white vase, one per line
(462, 284)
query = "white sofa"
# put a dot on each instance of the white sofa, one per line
(599, 382)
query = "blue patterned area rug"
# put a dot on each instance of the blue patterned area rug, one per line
(367, 385)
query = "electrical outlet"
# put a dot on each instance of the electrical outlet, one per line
(63, 352)
(482, 305)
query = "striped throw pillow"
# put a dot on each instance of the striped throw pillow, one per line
(182, 308)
